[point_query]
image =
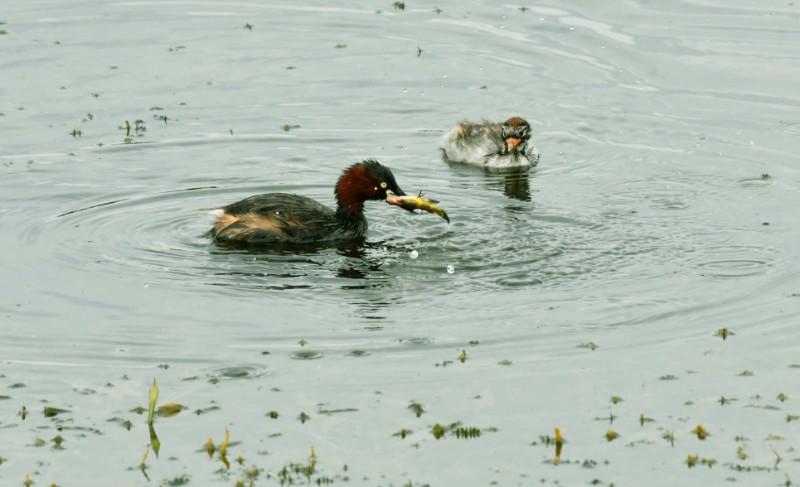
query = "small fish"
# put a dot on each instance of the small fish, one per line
(410, 203)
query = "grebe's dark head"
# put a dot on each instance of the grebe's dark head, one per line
(366, 180)
(516, 133)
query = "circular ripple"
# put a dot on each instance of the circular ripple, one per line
(734, 261)
(674, 193)
(307, 355)
(759, 182)
(237, 372)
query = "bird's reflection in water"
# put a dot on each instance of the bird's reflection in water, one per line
(357, 266)
(514, 183)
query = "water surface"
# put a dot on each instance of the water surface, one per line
(663, 209)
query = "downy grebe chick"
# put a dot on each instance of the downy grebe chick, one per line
(280, 218)
(492, 145)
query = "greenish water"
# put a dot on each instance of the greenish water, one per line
(663, 210)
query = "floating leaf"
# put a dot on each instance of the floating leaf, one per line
(724, 333)
(122, 422)
(210, 448)
(50, 411)
(143, 465)
(416, 408)
(169, 410)
(155, 443)
(611, 435)
(471, 432)
(559, 445)
(153, 399)
(701, 432)
(438, 431)
(223, 449)
(206, 410)
(463, 356)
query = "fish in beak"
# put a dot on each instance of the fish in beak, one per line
(411, 203)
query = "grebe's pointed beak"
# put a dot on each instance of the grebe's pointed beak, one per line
(411, 203)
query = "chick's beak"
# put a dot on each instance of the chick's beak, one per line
(512, 142)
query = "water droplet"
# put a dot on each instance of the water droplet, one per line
(450, 269)
(413, 254)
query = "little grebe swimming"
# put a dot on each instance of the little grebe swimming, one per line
(492, 145)
(278, 218)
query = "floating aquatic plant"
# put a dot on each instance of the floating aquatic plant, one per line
(724, 333)
(467, 432)
(701, 432)
(590, 345)
(616, 399)
(50, 411)
(248, 26)
(399, 5)
(143, 464)
(169, 410)
(303, 417)
(210, 447)
(462, 357)
(416, 408)
(153, 397)
(559, 441)
(611, 435)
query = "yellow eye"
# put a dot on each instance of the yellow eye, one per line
(383, 185)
